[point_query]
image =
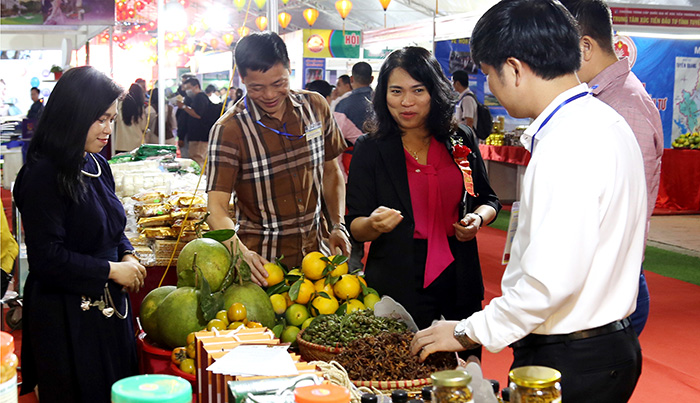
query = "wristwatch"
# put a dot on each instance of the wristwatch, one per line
(460, 334)
(130, 252)
(342, 228)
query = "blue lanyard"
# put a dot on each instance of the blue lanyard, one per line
(282, 132)
(546, 120)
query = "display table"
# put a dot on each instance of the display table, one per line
(679, 188)
(506, 168)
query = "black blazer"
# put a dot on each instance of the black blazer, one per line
(378, 177)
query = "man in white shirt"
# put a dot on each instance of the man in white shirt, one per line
(465, 110)
(571, 281)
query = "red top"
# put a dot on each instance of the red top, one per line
(436, 190)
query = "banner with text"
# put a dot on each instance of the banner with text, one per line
(332, 43)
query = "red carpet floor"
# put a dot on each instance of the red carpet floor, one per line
(669, 342)
(671, 359)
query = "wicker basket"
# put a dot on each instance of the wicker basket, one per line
(316, 352)
(413, 385)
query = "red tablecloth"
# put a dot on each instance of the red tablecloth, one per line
(679, 188)
(509, 154)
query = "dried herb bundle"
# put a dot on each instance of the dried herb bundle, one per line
(388, 357)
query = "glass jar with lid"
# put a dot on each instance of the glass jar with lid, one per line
(451, 387)
(535, 384)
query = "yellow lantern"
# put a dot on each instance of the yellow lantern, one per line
(284, 19)
(260, 4)
(310, 15)
(343, 7)
(243, 31)
(192, 29)
(385, 5)
(239, 4)
(169, 36)
(214, 43)
(285, 2)
(261, 22)
(181, 35)
(228, 39)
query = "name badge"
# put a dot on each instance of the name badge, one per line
(313, 130)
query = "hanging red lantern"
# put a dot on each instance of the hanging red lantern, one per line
(131, 13)
(284, 19)
(261, 22)
(121, 6)
(310, 15)
(214, 43)
(138, 5)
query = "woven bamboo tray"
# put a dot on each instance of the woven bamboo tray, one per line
(316, 352)
(412, 385)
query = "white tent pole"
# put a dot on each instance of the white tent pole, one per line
(161, 73)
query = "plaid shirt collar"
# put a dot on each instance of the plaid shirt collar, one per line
(256, 113)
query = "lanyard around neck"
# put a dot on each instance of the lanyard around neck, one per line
(546, 120)
(282, 132)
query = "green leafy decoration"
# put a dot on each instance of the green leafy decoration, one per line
(339, 259)
(292, 278)
(368, 290)
(278, 261)
(342, 309)
(277, 330)
(294, 290)
(220, 234)
(323, 294)
(210, 303)
(277, 289)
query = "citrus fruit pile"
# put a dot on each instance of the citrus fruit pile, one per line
(688, 140)
(320, 286)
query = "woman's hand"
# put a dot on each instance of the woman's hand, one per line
(128, 273)
(385, 219)
(466, 228)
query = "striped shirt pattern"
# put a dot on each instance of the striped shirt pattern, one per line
(276, 180)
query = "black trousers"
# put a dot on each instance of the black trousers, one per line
(601, 369)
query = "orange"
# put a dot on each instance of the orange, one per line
(296, 314)
(190, 338)
(321, 286)
(275, 274)
(222, 315)
(217, 324)
(187, 366)
(279, 303)
(354, 305)
(340, 269)
(236, 312)
(312, 266)
(191, 351)
(324, 306)
(348, 287)
(370, 299)
(306, 290)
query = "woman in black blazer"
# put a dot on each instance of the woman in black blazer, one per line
(418, 190)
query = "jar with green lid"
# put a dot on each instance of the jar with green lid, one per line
(535, 384)
(451, 387)
(152, 388)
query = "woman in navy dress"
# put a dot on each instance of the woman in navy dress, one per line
(78, 334)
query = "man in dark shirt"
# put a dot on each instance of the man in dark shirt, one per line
(357, 106)
(37, 107)
(197, 127)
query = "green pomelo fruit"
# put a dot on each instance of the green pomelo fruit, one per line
(149, 305)
(178, 316)
(212, 257)
(256, 302)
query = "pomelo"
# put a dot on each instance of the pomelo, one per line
(257, 303)
(149, 306)
(212, 257)
(179, 315)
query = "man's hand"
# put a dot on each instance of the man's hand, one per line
(257, 267)
(338, 239)
(438, 337)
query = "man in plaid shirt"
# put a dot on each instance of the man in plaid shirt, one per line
(274, 151)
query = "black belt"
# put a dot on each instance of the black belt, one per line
(541, 339)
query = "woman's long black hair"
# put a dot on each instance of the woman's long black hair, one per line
(133, 105)
(80, 97)
(423, 67)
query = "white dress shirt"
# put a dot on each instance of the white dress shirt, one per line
(576, 254)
